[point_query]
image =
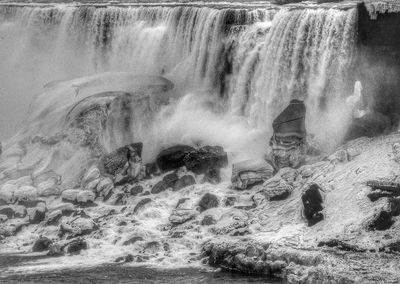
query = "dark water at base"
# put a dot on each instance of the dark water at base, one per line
(115, 273)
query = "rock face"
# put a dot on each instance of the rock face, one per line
(173, 157)
(312, 202)
(207, 157)
(251, 172)
(288, 141)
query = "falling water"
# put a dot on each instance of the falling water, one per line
(253, 60)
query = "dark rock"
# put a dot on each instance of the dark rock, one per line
(208, 220)
(377, 194)
(205, 158)
(132, 240)
(341, 245)
(276, 189)
(382, 221)
(173, 158)
(13, 211)
(129, 258)
(208, 201)
(312, 202)
(183, 182)
(170, 180)
(394, 206)
(230, 201)
(115, 162)
(141, 204)
(123, 179)
(136, 189)
(76, 246)
(159, 187)
(54, 217)
(151, 169)
(55, 249)
(249, 173)
(212, 176)
(37, 214)
(392, 187)
(250, 260)
(152, 247)
(177, 234)
(41, 244)
(118, 198)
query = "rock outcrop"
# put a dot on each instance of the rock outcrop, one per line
(288, 142)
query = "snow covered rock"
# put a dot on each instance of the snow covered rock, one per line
(250, 172)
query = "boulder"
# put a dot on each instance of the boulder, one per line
(41, 244)
(26, 193)
(55, 249)
(173, 157)
(76, 246)
(141, 204)
(208, 157)
(170, 180)
(251, 172)
(118, 198)
(93, 173)
(54, 217)
(183, 212)
(13, 211)
(159, 187)
(70, 195)
(208, 220)
(37, 214)
(92, 185)
(135, 189)
(7, 193)
(117, 162)
(275, 189)
(12, 227)
(48, 188)
(250, 259)
(183, 182)
(312, 202)
(77, 227)
(24, 181)
(288, 142)
(132, 240)
(85, 197)
(208, 201)
(65, 208)
(104, 187)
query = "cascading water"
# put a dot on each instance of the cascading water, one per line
(254, 59)
(233, 71)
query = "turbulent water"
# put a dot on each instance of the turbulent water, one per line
(201, 75)
(250, 60)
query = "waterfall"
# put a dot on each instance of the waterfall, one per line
(253, 60)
